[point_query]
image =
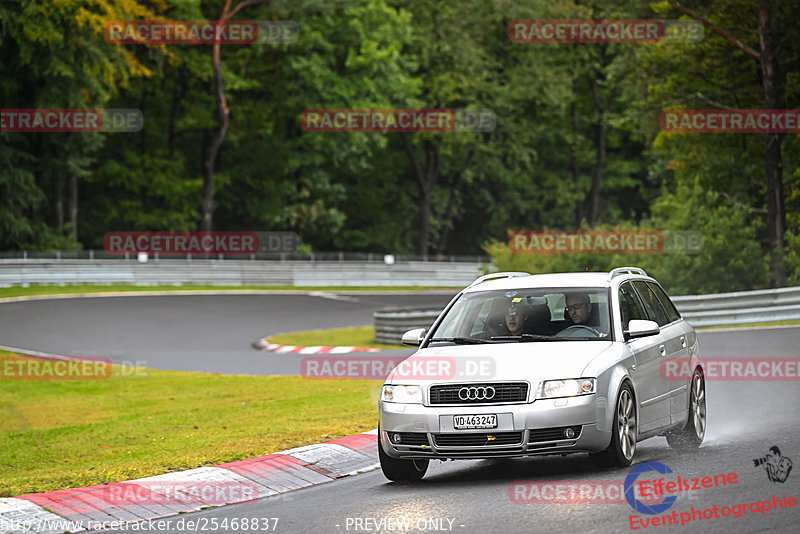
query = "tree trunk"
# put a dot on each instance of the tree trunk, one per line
(424, 222)
(776, 214)
(576, 175)
(177, 98)
(216, 140)
(219, 135)
(600, 151)
(59, 203)
(447, 215)
(223, 112)
(73, 206)
(600, 144)
(427, 178)
(773, 160)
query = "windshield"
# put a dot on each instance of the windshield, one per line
(541, 314)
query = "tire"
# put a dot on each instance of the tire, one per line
(692, 435)
(401, 470)
(624, 431)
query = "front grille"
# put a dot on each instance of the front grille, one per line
(478, 440)
(503, 392)
(409, 439)
(552, 434)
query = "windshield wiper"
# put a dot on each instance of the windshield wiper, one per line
(532, 337)
(462, 340)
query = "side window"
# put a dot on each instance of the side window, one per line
(629, 305)
(651, 304)
(483, 316)
(669, 307)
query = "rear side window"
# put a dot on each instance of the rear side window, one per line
(629, 305)
(654, 309)
(669, 307)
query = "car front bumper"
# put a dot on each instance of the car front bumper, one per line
(523, 429)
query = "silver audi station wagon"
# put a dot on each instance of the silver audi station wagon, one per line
(519, 365)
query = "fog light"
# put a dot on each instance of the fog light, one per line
(569, 433)
(396, 438)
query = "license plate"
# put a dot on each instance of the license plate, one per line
(461, 422)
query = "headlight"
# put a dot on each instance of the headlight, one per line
(571, 387)
(403, 394)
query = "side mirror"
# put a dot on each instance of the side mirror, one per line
(414, 337)
(639, 328)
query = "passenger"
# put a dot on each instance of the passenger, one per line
(516, 316)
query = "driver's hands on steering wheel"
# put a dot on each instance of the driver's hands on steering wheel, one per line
(577, 328)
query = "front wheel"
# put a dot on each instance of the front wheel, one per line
(624, 431)
(691, 436)
(401, 470)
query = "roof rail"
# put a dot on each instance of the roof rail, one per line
(497, 276)
(625, 270)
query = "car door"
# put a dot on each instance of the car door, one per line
(679, 342)
(650, 388)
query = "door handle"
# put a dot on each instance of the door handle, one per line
(683, 341)
(663, 350)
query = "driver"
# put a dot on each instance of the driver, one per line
(579, 310)
(579, 307)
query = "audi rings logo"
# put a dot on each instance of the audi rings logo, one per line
(476, 393)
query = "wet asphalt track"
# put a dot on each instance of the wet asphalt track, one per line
(209, 333)
(201, 333)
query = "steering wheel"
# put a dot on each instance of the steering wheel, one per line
(578, 330)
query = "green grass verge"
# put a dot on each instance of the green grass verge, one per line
(57, 434)
(356, 336)
(81, 289)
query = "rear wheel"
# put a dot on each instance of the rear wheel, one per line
(691, 436)
(401, 470)
(624, 431)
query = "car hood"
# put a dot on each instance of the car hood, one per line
(531, 361)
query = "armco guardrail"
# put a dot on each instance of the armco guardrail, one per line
(722, 309)
(390, 323)
(740, 307)
(238, 272)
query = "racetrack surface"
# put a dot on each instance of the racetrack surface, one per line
(472, 496)
(209, 333)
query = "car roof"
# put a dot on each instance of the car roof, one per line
(580, 279)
